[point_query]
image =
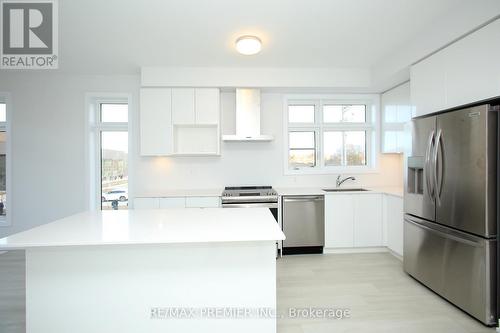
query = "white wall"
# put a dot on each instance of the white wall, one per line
(247, 162)
(49, 171)
(48, 143)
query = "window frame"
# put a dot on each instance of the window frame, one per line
(6, 127)
(316, 158)
(371, 126)
(94, 129)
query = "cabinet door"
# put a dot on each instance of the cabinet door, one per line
(156, 121)
(396, 111)
(428, 85)
(473, 67)
(394, 219)
(174, 202)
(146, 203)
(202, 202)
(183, 106)
(367, 220)
(207, 105)
(339, 218)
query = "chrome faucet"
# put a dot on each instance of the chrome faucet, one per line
(341, 181)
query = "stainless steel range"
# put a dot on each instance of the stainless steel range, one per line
(250, 197)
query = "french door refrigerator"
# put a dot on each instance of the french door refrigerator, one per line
(451, 208)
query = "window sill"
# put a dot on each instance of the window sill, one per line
(331, 171)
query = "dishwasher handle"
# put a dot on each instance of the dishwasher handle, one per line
(303, 198)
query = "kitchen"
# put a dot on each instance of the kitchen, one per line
(116, 158)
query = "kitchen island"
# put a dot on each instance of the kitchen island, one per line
(176, 270)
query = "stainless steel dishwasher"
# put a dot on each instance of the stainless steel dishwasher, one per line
(303, 224)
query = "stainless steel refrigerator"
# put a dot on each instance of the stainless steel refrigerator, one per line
(451, 208)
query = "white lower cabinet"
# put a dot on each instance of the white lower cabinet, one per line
(146, 203)
(203, 202)
(172, 202)
(176, 202)
(339, 221)
(367, 220)
(394, 217)
(353, 220)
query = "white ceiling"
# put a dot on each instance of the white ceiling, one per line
(118, 36)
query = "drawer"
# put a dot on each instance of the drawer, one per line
(202, 202)
(146, 203)
(174, 202)
(459, 268)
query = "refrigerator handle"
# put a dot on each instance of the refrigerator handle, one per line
(438, 167)
(428, 166)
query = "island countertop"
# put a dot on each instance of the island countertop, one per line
(167, 226)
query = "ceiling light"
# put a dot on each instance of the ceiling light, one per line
(248, 45)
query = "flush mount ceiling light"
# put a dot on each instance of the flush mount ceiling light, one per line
(248, 45)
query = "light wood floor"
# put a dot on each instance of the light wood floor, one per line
(12, 292)
(380, 296)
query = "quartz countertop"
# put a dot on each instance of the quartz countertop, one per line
(396, 191)
(159, 226)
(216, 192)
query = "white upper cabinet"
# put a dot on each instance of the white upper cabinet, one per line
(465, 72)
(428, 85)
(183, 106)
(198, 106)
(207, 105)
(473, 67)
(156, 121)
(396, 112)
(180, 121)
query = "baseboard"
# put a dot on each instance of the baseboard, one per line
(377, 249)
(395, 254)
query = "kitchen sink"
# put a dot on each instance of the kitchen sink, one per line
(345, 189)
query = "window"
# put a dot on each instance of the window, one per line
(114, 113)
(302, 149)
(114, 169)
(3, 162)
(344, 113)
(330, 134)
(111, 145)
(301, 114)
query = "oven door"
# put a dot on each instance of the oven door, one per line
(273, 206)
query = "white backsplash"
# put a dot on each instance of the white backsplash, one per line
(243, 163)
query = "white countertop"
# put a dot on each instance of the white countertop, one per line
(168, 226)
(209, 192)
(216, 192)
(396, 191)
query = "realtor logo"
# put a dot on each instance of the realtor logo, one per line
(29, 34)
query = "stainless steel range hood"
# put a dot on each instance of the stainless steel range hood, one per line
(247, 117)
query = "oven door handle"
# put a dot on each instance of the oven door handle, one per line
(251, 205)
